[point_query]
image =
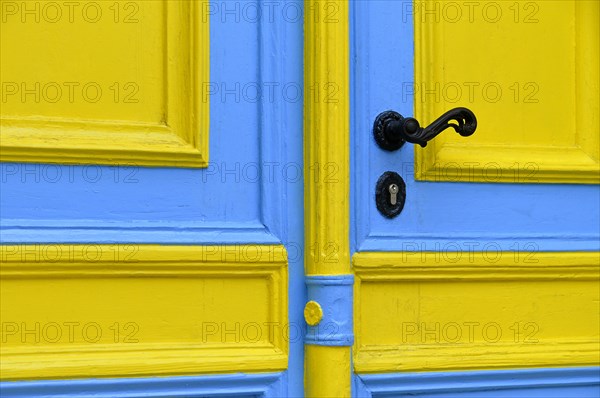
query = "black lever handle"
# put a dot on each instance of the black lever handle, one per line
(392, 130)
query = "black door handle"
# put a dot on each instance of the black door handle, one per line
(391, 130)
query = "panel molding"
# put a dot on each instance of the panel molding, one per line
(264, 385)
(146, 263)
(274, 150)
(387, 267)
(377, 88)
(411, 384)
(458, 162)
(579, 163)
(502, 242)
(140, 232)
(181, 140)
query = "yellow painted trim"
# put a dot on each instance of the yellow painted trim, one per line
(181, 140)
(326, 370)
(123, 274)
(462, 161)
(564, 275)
(326, 138)
(327, 176)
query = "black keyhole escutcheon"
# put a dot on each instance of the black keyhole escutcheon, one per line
(383, 194)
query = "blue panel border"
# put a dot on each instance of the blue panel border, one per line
(499, 217)
(267, 385)
(173, 205)
(335, 295)
(586, 380)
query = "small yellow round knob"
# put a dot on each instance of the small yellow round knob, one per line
(313, 313)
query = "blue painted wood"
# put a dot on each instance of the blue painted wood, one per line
(548, 383)
(237, 199)
(450, 217)
(136, 231)
(335, 295)
(283, 141)
(264, 385)
(457, 217)
(251, 193)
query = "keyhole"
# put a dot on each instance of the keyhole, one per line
(393, 189)
(390, 194)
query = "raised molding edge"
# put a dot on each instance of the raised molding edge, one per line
(264, 385)
(181, 141)
(122, 261)
(409, 384)
(548, 266)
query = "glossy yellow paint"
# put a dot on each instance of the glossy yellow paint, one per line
(476, 310)
(326, 138)
(324, 367)
(327, 175)
(121, 83)
(72, 311)
(536, 123)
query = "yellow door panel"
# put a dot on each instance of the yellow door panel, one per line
(478, 311)
(104, 82)
(529, 71)
(99, 54)
(124, 310)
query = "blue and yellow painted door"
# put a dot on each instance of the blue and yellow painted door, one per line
(151, 199)
(486, 284)
(189, 199)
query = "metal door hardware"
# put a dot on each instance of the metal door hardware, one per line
(393, 188)
(390, 194)
(391, 130)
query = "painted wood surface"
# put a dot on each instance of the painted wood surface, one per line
(97, 310)
(326, 187)
(497, 249)
(536, 124)
(444, 216)
(249, 194)
(145, 83)
(548, 382)
(263, 385)
(475, 313)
